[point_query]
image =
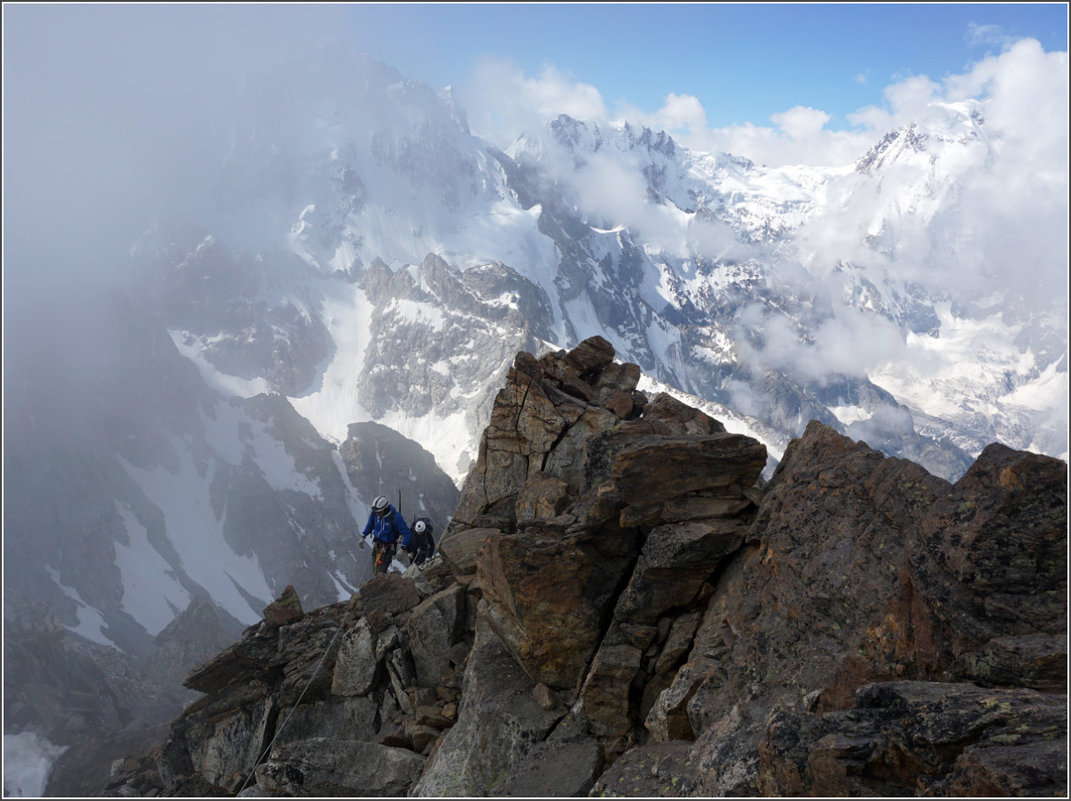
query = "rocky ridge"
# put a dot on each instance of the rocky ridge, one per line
(622, 606)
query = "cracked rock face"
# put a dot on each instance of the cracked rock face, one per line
(622, 606)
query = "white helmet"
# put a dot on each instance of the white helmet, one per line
(419, 527)
(380, 504)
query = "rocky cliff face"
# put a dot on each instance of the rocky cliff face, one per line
(622, 606)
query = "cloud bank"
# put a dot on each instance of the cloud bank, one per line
(1021, 81)
(1002, 234)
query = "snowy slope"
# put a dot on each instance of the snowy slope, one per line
(715, 274)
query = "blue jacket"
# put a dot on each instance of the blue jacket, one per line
(386, 528)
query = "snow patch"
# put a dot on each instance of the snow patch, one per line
(192, 347)
(345, 591)
(347, 315)
(237, 436)
(196, 534)
(447, 438)
(90, 621)
(28, 759)
(277, 465)
(1048, 391)
(151, 594)
(959, 372)
(423, 314)
(357, 507)
(850, 414)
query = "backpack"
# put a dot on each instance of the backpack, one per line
(425, 540)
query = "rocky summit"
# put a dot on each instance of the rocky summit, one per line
(622, 606)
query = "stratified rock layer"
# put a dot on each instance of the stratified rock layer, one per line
(623, 606)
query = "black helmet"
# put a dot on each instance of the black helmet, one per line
(380, 505)
(419, 527)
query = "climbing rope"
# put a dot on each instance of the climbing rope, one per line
(280, 729)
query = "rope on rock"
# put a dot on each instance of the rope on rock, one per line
(279, 730)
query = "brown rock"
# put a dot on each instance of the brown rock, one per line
(435, 626)
(1037, 661)
(681, 418)
(590, 356)
(606, 690)
(578, 456)
(525, 423)
(541, 497)
(556, 369)
(459, 547)
(390, 593)
(433, 716)
(675, 562)
(622, 404)
(655, 469)
(678, 641)
(543, 696)
(656, 770)
(237, 664)
(668, 717)
(547, 598)
(285, 609)
(699, 507)
(556, 768)
(617, 379)
(985, 566)
(498, 724)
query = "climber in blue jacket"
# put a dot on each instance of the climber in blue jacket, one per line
(386, 525)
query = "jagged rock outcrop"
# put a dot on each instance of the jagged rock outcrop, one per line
(379, 460)
(622, 606)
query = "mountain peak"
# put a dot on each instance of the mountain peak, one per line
(942, 125)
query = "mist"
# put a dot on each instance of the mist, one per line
(114, 114)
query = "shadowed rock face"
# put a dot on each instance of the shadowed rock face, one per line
(920, 738)
(621, 606)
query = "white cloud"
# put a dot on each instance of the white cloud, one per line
(911, 96)
(997, 235)
(617, 195)
(679, 115)
(503, 102)
(979, 34)
(801, 143)
(801, 122)
(847, 343)
(681, 111)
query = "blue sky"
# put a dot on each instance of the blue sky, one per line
(743, 62)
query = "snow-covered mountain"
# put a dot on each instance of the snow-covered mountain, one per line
(335, 321)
